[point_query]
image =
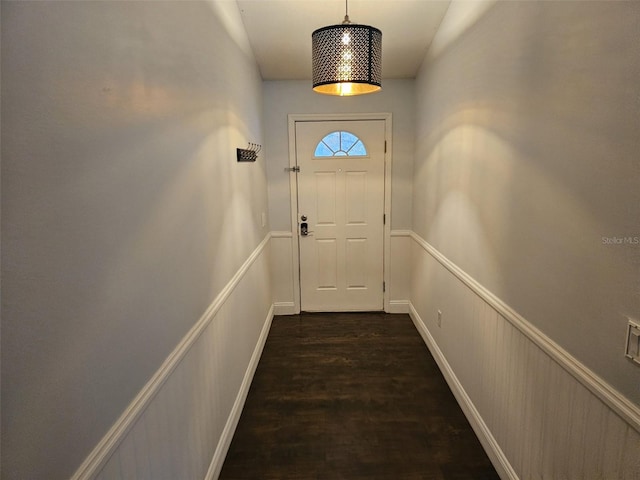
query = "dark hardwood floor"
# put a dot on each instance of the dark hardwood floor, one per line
(351, 396)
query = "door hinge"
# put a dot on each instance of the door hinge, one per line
(384, 218)
(295, 169)
(385, 146)
(384, 287)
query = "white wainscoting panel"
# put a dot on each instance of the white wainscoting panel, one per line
(181, 424)
(282, 272)
(400, 272)
(538, 412)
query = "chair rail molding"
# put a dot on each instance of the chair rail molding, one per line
(599, 387)
(112, 440)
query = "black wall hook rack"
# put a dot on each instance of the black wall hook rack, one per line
(249, 154)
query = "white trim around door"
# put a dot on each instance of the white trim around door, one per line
(295, 260)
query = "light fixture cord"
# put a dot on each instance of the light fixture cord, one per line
(346, 12)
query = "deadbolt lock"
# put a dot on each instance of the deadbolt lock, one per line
(304, 227)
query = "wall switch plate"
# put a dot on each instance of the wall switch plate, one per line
(632, 350)
(439, 318)
(263, 219)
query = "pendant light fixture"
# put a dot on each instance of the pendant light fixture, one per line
(347, 58)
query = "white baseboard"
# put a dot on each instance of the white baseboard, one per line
(398, 306)
(284, 308)
(232, 422)
(495, 453)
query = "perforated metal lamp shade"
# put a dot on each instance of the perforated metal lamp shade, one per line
(347, 59)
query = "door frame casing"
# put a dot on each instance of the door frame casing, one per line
(293, 118)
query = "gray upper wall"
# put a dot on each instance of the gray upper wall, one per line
(527, 169)
(296, 96)
(124, 211)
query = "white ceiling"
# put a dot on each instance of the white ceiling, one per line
(280, 32)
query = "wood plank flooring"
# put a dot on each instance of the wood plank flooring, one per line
(351, 396)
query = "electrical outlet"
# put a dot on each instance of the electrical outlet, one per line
(439, 318)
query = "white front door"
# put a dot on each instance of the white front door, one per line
(340, 214)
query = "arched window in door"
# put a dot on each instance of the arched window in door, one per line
(340, 144)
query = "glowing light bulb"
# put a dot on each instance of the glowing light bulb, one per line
(346, 38)
(345, 89)
(344, 71)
